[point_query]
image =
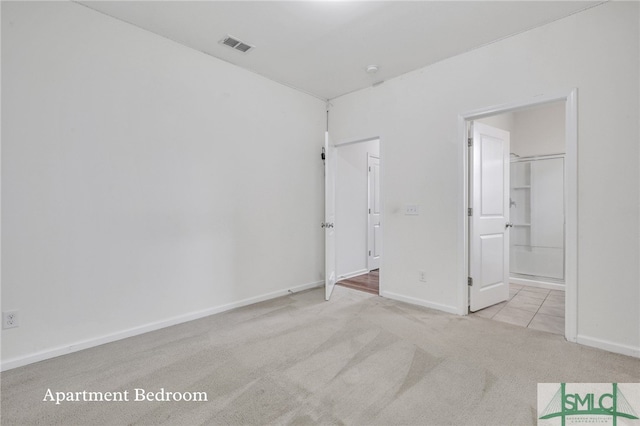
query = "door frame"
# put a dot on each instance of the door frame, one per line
(570, 97)
(343, 143)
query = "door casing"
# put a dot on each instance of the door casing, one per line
(570, 97)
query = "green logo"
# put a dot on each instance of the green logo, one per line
(612, 404)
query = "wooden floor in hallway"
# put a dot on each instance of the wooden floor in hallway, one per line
(366, 282)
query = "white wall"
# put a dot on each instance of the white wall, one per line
(351, 207)
(539, 130)
(504, 121)
(416, 117)
(144, 183)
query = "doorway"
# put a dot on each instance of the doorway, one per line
(547, 297)
(358, 215)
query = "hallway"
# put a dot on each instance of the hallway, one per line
(369, 283)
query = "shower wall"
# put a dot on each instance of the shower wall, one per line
(537, 214)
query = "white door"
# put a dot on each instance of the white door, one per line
(374, 239)
(489, 216)
(330, 168)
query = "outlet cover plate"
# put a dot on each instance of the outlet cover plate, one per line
(10, 319)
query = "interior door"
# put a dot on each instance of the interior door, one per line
(375, 230)
(489, 216)
(330, 168)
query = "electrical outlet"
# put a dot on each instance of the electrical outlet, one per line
(10, 319)
(422, 276)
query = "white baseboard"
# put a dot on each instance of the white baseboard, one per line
(352, 274)
(609, 346)
(420, 302)
(539, 284)
(89, 343)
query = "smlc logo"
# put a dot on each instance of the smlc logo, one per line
(588, 403)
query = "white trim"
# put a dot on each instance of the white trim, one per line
(420, 302)
(513, 106)
(90, 343)
(382, 214)
(352, 274)
(571, 199)
(463, 205)
(571, 215)
(536, 283)
(606, 345)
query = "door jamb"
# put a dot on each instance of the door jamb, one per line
(571, 199)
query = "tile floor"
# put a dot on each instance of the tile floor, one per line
(530, 307)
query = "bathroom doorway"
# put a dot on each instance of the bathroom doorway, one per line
(537, 216)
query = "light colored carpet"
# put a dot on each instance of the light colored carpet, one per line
(358, 360)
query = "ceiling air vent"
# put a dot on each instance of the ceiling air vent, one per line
(236, 44)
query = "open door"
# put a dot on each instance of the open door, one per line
(374, 240)
(330, 168)
(488, 216)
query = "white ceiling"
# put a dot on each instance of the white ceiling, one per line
(324, 47)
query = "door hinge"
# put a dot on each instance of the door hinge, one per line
(369, 252)
(470, 211)
(469, 142)
(369, 168)
(469, 281)
(369, 211)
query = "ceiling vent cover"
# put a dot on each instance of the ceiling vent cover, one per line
(236, 44)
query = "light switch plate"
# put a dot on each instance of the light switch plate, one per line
(412, 210)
